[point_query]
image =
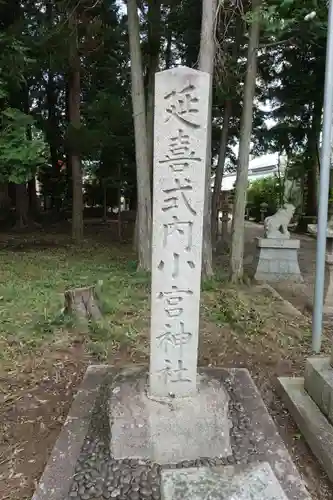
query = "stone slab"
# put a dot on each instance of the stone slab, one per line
(314, 426)
(59, 471)
(180, 149)
(318, 382)
(278, 243)
(169, 430)
(249, 482)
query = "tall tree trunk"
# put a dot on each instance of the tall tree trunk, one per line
(154, 42)
(22, 206)
(52, 127)
(75, 121)
(52, 136)
(33, 200)
(168, 48)
(4, 196)
(237, 236)
(141, 145)
(105, 201)
(230, 86)
(206, 63)
(69, 177)
(220, 168)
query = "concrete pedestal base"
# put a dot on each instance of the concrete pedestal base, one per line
(250, 462)
(277, 260)
(169, 430)
(310, 401)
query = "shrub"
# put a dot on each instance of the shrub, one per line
(266, 190)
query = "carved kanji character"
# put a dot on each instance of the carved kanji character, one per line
(173, 299)
(171, 374)
(179, 227)
(177, 191)
(180, 155)
(183, 105)
(174, 336)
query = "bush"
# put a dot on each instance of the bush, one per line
(266, 190)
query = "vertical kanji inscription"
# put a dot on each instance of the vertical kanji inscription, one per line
(180, 146)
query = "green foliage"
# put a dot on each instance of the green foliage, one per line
(20, 155)
(267, 190)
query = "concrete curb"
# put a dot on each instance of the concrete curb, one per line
(276, 295)
(59, 471)
(316, 429)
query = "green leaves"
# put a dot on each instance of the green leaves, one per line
(20, 154)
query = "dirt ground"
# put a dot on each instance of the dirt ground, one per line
(244, 327)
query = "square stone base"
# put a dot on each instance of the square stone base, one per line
(318, 383)
(250, 459)
(277, 260)
(169, 430)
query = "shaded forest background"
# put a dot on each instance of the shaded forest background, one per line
(73, 102)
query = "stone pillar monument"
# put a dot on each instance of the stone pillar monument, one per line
(180, 146)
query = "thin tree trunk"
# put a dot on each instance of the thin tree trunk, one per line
(69, 177)
(154, 41)
(120, 220)
(105, 206)
(75, 121)
(206, 63)
(220, 168)
(312, 160)
(168, 53)
(52, 126)
(22, 206)
(237, 236)
(33, 200)
(141, 145)
(231, 86)
(4, 196)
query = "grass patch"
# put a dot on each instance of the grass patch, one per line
(228, 307)
(31, 297)
(31, 300)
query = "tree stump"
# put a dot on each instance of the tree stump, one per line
(82, 303)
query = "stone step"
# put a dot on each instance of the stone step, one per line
(314, 426)
(318, 382)
(243, 482)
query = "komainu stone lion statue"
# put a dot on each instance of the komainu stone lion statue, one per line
(276, 226)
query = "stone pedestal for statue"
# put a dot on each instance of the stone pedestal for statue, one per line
(277, 254)
(328, 298)
(310, 401)
(277, 260)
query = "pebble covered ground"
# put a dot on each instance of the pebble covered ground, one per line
(99, 476)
